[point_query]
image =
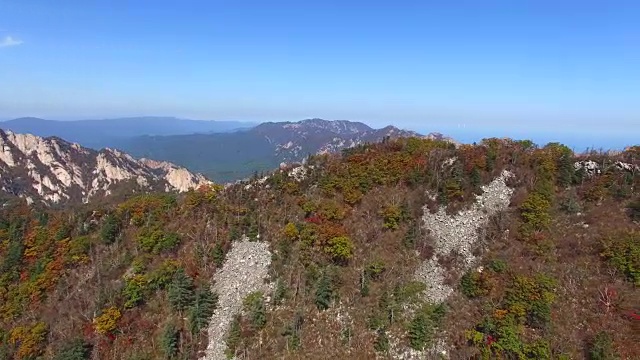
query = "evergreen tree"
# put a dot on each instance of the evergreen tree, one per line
(324, 292)
(566, 170)
(476, 178)
(110, 229)
(233, 338)
(170, 341)
(202, 309)
(381, 343)
(78, 349)
(181, 291)
(254, 305)
(420, 331)
(218, 255)
(280, 292)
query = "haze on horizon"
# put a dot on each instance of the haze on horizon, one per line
(548, 69)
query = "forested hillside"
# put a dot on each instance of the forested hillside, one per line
(406, 249)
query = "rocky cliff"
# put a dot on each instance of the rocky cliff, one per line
(54, 171)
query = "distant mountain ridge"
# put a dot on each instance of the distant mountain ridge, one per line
(232, 156)
(54, 171)
(98, 134)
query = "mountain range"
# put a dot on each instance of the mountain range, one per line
(102, 133)
(227, 157)
(222, 151)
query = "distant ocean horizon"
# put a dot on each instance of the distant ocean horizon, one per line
(578, 142)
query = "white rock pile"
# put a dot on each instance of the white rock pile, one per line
(458, 233)
(244, 271)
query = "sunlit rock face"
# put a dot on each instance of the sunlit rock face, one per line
(52, 170)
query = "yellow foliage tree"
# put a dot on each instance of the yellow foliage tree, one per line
(29, 340)
(340, 249)
(291, 232)
(108, 321)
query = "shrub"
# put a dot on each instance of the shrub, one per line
(374, 269)
(571, 204)
(539, 349)
(634, 210)
(422, 327)
(498, 265)
(162, 276)
(78, 349)
(352, 195)
(254, 306)
(331, 210)
(474, 284)
(601, 348)
(107, 322)
(530, 298)
(155, 240)
(535, 212)
(340, 249)
(292, 331)
(78, 250)
(30, 341)
(622, 251)
(409, 292)
(392, 216)
(134, 290)
(291, 232)
(381, 343)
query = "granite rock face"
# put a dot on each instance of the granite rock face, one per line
(52, 171)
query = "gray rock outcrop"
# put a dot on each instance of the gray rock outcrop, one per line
(458, 233)
(244, 271)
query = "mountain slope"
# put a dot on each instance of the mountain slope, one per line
(55, 171)
(97, 134)
(233, 156)
(407, 249)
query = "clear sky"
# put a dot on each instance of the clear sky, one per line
(561, 67)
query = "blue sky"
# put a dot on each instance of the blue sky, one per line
(538, 68)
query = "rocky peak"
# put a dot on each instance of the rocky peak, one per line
(294, 140)
(54, 170)
(336, 126)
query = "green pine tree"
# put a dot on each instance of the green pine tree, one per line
(181, 291)
(202, 309)
(170, 341)
(254, 305)
(420, 331)
(218, 255)
(233, 338)
(110, 229)
(324, 291)
(78, 349)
